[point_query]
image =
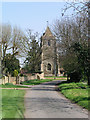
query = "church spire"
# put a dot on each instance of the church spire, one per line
(47, 23)
(48, 31)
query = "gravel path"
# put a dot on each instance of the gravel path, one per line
(43, 101)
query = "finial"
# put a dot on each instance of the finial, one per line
(47, 23)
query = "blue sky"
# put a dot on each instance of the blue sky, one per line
(32, 15)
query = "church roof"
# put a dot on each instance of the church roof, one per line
(48, 33)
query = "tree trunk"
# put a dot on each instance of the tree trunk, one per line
(89, 41)
(16, 80)
(8, 78)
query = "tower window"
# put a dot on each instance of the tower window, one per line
(49, 66)
(48, 42)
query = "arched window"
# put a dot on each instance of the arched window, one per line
(61, 71)
(48, 42)
(49, 66)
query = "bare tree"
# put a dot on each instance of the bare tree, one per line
(69, 31)
(6, 37)
(17, 42)
(80, 7)
(12, 41)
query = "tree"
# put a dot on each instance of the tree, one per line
(11, 64)
(82, 53)
(83, 9)
(12, 41)
(17, 42)
(6, 38)
(0, 62)
(16, 75)
(79, 7)
(70, 31)
(33, 60)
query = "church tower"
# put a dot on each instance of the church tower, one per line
(48, 43)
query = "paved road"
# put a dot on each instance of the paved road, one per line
(43, 101)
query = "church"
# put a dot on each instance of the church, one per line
(49, 62)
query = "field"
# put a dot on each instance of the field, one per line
(13, 103)
(76, 92)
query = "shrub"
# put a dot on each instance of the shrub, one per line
(21, 75)
(15, 73)
(75, 76)
(25, 75)
(8, 84)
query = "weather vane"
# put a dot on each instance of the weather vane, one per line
(47, 23)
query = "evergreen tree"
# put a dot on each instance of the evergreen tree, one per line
(33, 60)
(11, 63)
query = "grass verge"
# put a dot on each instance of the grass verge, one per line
(36, 81)
(56, 76)
(13, 103)
(76, 92)
(12, 86)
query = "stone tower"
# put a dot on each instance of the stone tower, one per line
(48, 53)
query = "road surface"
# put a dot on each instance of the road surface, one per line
(43, 101)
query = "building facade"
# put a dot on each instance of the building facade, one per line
(49, 54)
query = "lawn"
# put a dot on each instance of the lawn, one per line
(13, 103)
(56, 77)
(36, 81)
(76, 92)
(9, 85)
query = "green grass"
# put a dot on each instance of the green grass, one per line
(56, 76)
(12, 86)
(77, 92)
(13, 103)
(36, 81)
(65, 85)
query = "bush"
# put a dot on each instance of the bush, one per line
(33, 74)
(25, 75)
(75, 76)
(8, 84)
(28, 81)
(21, 82)
(39, 72)
(15, 73)
(21, 75)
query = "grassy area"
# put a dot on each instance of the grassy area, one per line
(77, 92)
(56, 76)
(13, 103)
(36, 81)
(12, 86)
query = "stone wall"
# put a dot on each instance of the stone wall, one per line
(35, 76)
(12, 80)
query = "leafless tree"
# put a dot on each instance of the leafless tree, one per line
(18, 42)
(6, 37)
(70, 30)
(12, 41)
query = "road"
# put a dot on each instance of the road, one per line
(43, 101)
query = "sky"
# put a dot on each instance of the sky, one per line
(32, 15)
